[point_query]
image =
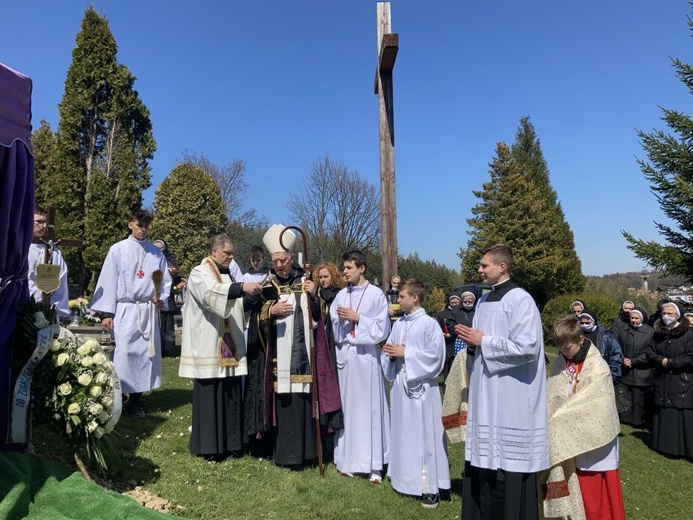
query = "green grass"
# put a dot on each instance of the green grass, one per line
(153, 453)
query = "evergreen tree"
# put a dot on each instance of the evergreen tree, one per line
(427, 272)
(45, 145)
(519, 207)
(105, 143)
(189, 211)
(669, 169)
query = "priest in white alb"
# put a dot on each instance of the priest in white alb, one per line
(507, 425)
(213, 352)
(128, 301)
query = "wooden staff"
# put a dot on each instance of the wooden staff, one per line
(311, 340)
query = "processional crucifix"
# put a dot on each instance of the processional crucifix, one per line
(388, 45)
(48, 275)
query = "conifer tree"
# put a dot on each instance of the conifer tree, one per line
(189, 211)
(45, 145)
(519, 207)
(669, 169)
(104, 144)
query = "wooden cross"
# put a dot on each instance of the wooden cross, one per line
(50, 240)
(388, 45)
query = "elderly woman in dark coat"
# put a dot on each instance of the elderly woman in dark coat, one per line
(671, 352)
(637, 375)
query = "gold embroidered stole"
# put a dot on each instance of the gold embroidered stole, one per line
(226, 347)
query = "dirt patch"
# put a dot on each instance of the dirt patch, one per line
(149, 500)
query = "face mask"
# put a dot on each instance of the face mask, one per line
(588, 328)
(468, 306)
(668, 320)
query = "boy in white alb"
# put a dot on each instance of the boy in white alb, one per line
(360, 321)
(126, 298)
(412, 358)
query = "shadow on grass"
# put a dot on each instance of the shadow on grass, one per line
(644, 436)
(166, 399)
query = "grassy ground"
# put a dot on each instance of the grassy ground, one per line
(153, 453)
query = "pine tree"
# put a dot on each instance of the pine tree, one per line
(189, 211)
(519, 207)
(45, 145)
(669, 169)
(105, 143)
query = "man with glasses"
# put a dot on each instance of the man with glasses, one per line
(278, 409)
(37, 256)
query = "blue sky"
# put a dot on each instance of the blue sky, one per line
(280, 83)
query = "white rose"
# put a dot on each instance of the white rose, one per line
(83, 349)
(98, 433)
(91, 343)
(87, 361)
(55, 345)
(107, 402)
(104, 416)
(95, 409)
(102, 378)
(74, 408)
(62, 359)
(92, 426)
(100, 358)
(84, 379)
(95, 391)
(65, 389)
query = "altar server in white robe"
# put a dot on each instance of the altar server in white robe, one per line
(125, 297)
(37, 255)
(507, 426)
(412, 359)
(360, 321)
(213, 352)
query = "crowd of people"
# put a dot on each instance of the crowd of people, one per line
(291, 365)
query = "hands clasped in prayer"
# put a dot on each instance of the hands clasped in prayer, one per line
(470, 336)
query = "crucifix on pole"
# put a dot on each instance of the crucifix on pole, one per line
(388, 44)
(47, 275)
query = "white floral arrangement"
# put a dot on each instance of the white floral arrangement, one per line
(92, 317)
(79, 388)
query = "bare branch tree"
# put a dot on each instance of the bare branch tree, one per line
(231, 181)
(337, 209)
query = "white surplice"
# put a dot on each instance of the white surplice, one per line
(418, 456)
(130, 298)
(363, 445)
(59, 297)
(206, 308)
(507, 425)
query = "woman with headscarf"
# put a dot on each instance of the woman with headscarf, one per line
(637, 375)
(622, 321)
(168, 329)
(447, 321)
(577, 307)
(671, 352)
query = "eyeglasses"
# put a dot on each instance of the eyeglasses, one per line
(40, 222)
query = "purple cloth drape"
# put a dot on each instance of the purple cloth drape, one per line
(16, 216)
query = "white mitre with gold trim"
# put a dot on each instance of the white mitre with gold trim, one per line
(271, 239)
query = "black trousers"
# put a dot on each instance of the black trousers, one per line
(489, 494)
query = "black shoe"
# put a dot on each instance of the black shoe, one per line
(134, 409)
(430, 500)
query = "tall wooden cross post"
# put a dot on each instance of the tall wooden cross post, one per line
(51, 241)
(388, 44)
